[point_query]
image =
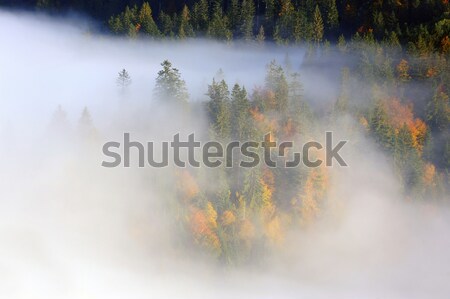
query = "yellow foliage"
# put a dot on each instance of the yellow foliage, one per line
(363, 121)
(429, 173)
(418, 133)
(228, 218)
(203, 232)
(403, 69)
(268, 208)
(211, 215)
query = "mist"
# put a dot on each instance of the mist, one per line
(70, 228)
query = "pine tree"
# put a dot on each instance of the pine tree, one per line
(123, 80)
(332, 15)
(438, 112)
(240, 114)
(167, 24)
(379, 124)
(185, 28)
(247, 17)
(218, 26)
(407, 159)
(285, 23)
(342, 45)
(219, 108)
(317, 26)
(277, 83)
(261, 35)
(200, 16)
(146, 21)
(234, 15)
(169, 85)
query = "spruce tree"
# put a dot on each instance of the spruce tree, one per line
(219, 108)
(317, 26)
(169, 85)
(148, 25)
(185, 29)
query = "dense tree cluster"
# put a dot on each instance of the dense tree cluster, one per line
(420, 25)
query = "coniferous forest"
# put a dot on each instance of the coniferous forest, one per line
(374, 73)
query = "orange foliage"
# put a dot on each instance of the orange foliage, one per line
(429, 173)
(363, 121)
(268, 179)
(201, 227)
(400, 114)
(431, 72)
(445, 42)
(228, 218)
(403, 69)
(418, 133)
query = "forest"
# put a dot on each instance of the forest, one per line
(376, 74)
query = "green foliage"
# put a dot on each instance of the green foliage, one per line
(317, 26)
(148, 25)
(277, 83)
(382, 130)
(219, 108)
(169, 85)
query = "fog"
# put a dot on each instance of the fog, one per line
(70, 228)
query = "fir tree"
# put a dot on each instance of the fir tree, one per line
(169, 85)
(148, 25)
(317, 26)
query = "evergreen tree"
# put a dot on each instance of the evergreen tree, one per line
(332, 15)
(407, 159)
(200, 16)
(167, 24)
(379, 124)
(247, 16)
(219, 108)
(277, 83)
(148, 25)
(261, 35)
(218, 26)
(438, 112)
(240, 111)
(317, 26)
(169, 85)
(185, 28)
(123, 80)
(234, 15)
